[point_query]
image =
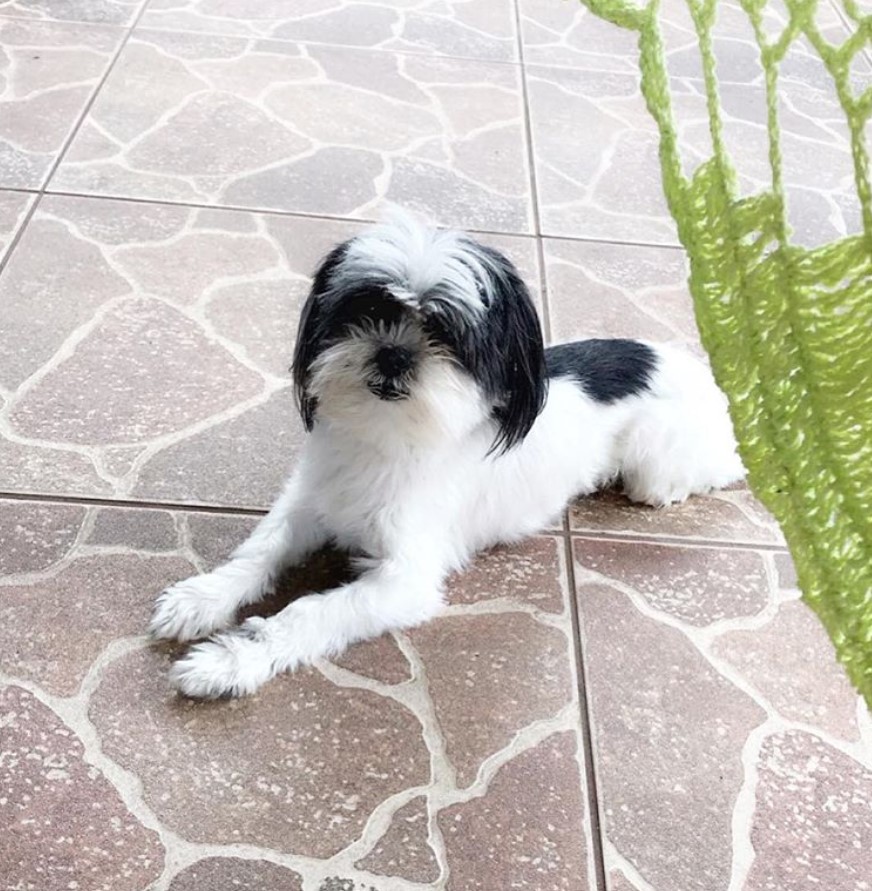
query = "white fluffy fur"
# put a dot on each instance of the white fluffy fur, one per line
(411, 485)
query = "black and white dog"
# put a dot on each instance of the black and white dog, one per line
(438, 425)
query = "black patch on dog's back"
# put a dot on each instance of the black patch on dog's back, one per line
(608, 370)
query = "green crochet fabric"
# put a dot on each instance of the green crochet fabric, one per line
(788, 329)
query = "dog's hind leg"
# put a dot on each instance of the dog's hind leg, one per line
(205, 603)
(677, 447)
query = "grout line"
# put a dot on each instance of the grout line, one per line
(262, 211)
(41, 191)
(587, 742)
(564, 531)
(75, 23)
(97, 501)
(619, 242)
(296, 214)
(19, 232)
(677, 540)
(528, 129)
(545, 300)
(534, 188)
(18, 190)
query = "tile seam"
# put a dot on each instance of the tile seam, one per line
(296, 214)
(250, 510)
(77, 124)
(594, 811)
(679, 541)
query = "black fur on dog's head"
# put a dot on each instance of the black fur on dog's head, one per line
(389, 305)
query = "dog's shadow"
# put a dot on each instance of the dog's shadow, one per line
(324, 570)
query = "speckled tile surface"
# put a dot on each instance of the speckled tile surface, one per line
(637, 700)
(403, 763)
(48, 73)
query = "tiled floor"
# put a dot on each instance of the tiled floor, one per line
(635, 702)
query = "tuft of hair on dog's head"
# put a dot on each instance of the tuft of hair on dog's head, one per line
(412, 330)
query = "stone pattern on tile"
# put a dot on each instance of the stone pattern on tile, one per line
(791, 663)
(581, 70)
(404, 850)
(515, 837)
(478, 29)
(48, 72)
(231, 872)
(144, 350)
(316, 129)
(335, 776)
(813, 824)
(159, 351)
(610, 290)
(569, 35)
(273, 771)
(64, 826)
(706, 676)
(13, 209)
(698, 586)
(95, 12)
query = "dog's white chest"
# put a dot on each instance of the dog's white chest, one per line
(366, 500)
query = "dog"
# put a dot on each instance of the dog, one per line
(438, 425)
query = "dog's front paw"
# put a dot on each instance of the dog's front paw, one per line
(232, 664)
(194, 608)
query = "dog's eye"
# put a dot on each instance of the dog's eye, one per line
(437, 330)
(372, 305)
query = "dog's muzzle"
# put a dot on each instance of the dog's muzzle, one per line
(393, 364)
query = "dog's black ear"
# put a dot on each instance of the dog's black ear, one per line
(312, 333)
(515, 353)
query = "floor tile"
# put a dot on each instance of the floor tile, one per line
(595, 151)
(405, 848)
(709, 736)
(13, 209)
(735, 46)
(733, 515)
(64, 823)
(821, 800)
(305, 128)
(63, 606)
(699, 586)
(517, 836)
(802, 681)
(342, 776)
(817, 167)
(569, 35)
(293, 789)
(479, 29)
(48, 71)
(613, 290)
(160, 350)
(596, 146)
(107, 12)
(232, 872)
(508, 663)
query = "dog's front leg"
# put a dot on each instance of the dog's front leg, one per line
(202, 604)
(394, 594)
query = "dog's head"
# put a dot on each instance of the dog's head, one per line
(411, 333)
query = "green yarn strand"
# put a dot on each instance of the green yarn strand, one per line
(788, 329)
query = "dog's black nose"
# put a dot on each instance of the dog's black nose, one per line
(392, 361)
